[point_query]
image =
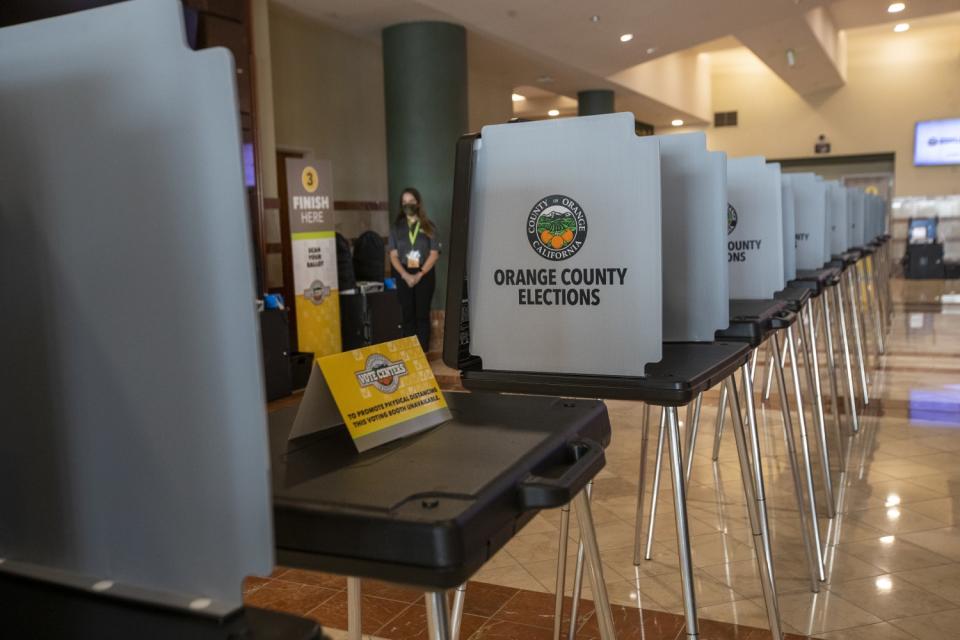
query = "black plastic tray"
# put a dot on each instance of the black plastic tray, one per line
(41, 611)
(429, 510)
(817, 280)
(797, 295)
(845, 259)
(686, 369)
(752, 321)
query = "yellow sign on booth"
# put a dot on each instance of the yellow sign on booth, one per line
(382, 392)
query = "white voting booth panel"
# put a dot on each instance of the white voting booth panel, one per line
(875, 217)
(789, 228)
(134, 449)
(870, 218)
(856, 218)
(838, 217)
(811, 201)
(851, 217)
(754, 229)
(694, 191)
(828, 220)
(564, 247)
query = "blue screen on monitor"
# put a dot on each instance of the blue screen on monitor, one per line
(937, 142)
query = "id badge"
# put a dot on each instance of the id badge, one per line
(413, 260)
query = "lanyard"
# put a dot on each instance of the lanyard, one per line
(413, 234)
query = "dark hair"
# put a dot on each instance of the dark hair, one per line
(426, 225)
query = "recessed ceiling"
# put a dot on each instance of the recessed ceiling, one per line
(524, 41)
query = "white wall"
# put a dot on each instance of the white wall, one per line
(893, 80)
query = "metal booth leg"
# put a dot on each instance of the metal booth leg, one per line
(832, 370)
(693, 426)
(805, 449)
(651, 522)
(721, 411)
(813, 362)
(769, 385)
(815, 574)
(438, 618)
(578, 574)
(561, 570)
(456, 617)
(803, 347)
(877, 304)
(850, 393)
(852, 285)
(751, 473)
(683, 532)
(354, 609)
(866, 309)
(718, 430)
(588, 537)
(641, 485)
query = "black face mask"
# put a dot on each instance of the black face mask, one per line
(410, 209)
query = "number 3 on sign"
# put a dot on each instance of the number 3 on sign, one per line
(309, 179)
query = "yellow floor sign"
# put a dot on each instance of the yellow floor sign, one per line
(314, 255)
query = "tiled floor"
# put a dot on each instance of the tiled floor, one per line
(893, 553)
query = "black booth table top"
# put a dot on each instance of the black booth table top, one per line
(818, 279)
(752, 321)
(42, 611)
(796, 295)
(429, 510)
(685, 369)
(846, 259)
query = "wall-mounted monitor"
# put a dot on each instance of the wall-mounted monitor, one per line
(937, 142)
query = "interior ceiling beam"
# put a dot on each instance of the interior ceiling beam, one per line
(807, 51)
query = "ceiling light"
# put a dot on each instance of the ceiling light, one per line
(791, 58)
(518, 98)
(553, 113)
(627, 37)
(903, 26)
(545, 79)
(677, 123)
(896, 7)
(651, 50)
(594, 18)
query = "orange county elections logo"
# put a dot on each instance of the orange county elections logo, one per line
(556, 227)
(381, 373)
(731, 218)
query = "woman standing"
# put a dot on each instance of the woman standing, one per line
(413, 253)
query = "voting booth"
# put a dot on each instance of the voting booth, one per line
(135, 450)
(856, 217)
(754, 229)
(578, 247)
(789, 228)
(828, 219)
(839, 226)
(875, 217)
(695, 279)
(810, 197)
(549, 251)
